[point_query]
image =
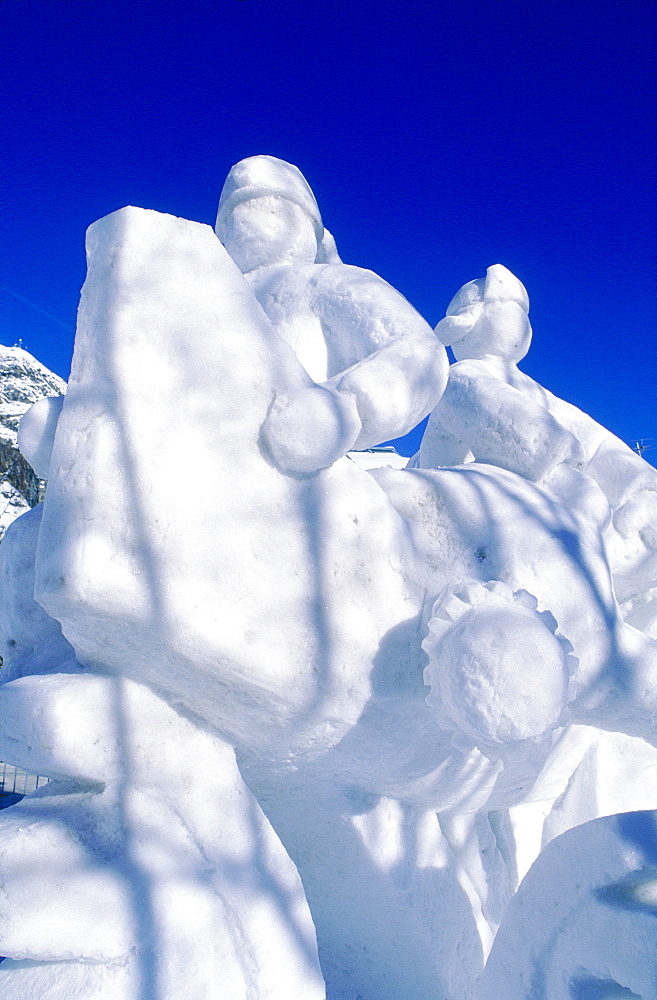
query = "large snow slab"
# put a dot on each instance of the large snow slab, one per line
(259, 609)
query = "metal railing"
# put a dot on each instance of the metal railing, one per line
(15, 783)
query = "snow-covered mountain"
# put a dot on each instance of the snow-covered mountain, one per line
(23, 380)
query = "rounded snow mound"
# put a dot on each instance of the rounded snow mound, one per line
(498, 669)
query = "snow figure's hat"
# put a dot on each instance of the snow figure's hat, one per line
(259, 176)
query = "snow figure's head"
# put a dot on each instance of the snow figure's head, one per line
(488, 317)
(268, 215)
(498, 669)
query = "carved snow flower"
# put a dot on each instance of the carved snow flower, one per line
(499, 671)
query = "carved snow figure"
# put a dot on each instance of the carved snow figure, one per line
(379, 366)
(270, 223)
(145, 870)
(492, 412)
(285, 618)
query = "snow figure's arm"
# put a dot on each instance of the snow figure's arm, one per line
(396, 387)
(484, 416)
(389, 371)
(381, 351)
(310, 429)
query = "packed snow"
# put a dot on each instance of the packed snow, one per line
(36, 433)
(340, 727)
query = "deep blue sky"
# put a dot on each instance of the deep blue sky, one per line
(438, 137)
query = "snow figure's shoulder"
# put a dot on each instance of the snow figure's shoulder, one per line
(335, 280)
(333, 289)
(283, 275)
(349, 279)
(285, 290)
(357, 299)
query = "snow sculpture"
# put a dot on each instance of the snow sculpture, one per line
(492, 412)
(32, 642)
(363, 644)
(154, 868)
(36, 433)
(379, 367)
(275, 653)
(474, 644)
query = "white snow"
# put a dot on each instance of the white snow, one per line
(338, 727)
(132, 573)
(36, 433)
(374, 458)
(23, 381)
(583, 922)
(31, 641)
(492, 412)
(155, 858)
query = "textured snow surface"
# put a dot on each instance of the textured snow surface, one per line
(152, 861)
(24, 381)
(491, 412)
(32, 642)
(474, 647)
(584, 921)
(334, 726)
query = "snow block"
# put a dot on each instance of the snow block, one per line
(261, 609)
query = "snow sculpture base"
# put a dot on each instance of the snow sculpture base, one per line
(153, 873)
